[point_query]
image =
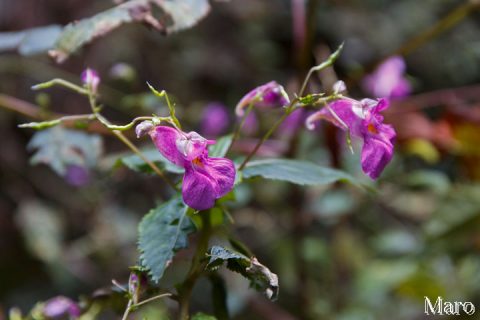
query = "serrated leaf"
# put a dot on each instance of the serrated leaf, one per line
(59, 148)
(162, 232)
(164, 16)
(30, 41)
(295, 171)
(135, 163)
(220, 148)
(261, 278)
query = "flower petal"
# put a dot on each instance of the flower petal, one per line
(222, 171)
(165, 139)
(198, 189)
(377, 150)
(344, 113)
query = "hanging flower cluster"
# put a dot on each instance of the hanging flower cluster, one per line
(363, 120)
(206, 179)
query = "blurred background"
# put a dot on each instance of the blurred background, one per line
(340, 253)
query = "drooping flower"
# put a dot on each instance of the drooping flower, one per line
(269, 95)
(91, 79)
(363, 120)
(61, 307)
(388, 80)
(206, 179)
(215, 120)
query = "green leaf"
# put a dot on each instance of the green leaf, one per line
(135, 163)
(261, 278)
(59, 148)
(295, 171)
(164, 16)
(203, 316)
(220, 148)
(30, 41)
(162, 232)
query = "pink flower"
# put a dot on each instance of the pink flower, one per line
(61, 307)
(269, 95)
(363, 120)
(206, 179)
(388, 80)
(215, 120)
(91, 79)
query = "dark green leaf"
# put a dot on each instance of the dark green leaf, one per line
(135, 163)
(162, 232)
(164, 16)
(295, 171)
(261, 278)
(59, 147)
(220, 148)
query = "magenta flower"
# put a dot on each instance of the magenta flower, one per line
(269, 95)
(363, 120)
(60, 307)
(91, 79)
(215, 120)
(388, 80)
(206, 179)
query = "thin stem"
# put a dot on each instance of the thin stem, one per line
(150, 300)
(152, 165)
(63, 83)
(127, 142)
(127, 309)
(327, 63)
(196, 269)
(54, 122)
(236, 134)
(266, 136)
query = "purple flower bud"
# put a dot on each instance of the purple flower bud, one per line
(388, 80)
(77, 175)
(269, 95)
(339, 87)
(215, 120)
(143, 128)
(91, 79)
(60, 307)
(136, 285)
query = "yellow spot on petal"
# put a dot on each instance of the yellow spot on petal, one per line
(372, 128)
(197, 162)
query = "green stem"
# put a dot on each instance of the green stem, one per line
(163, 295)
(63, 83)
(236, 134)
(267, 135)
(54, 122)
(127, 309)
(327, 63)
(196, 269)
(127, 141)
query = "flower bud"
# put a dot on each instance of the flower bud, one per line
(339, 87)
(143, 128)
(91, 79)
(269, 95)
(59, 307)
